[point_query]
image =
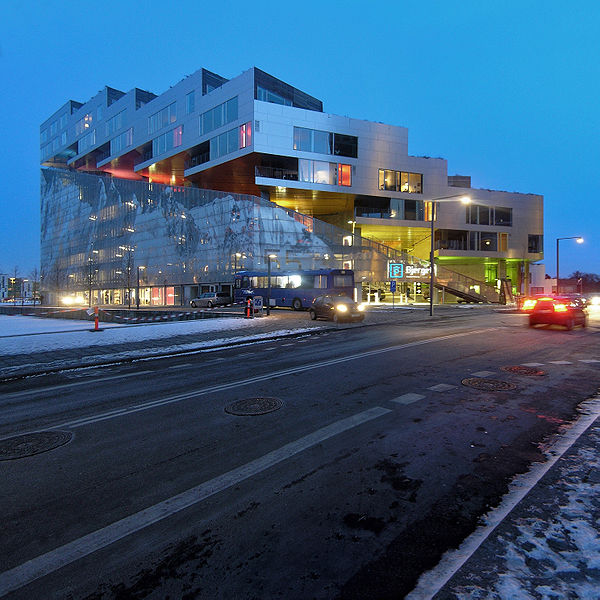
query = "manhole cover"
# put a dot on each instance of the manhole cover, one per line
(29, 444)
(254, 406)
(489, 385)
(521, 370)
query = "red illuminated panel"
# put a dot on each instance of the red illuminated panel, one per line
(344, 174)
(245, 135)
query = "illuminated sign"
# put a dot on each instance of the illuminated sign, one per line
(396, 270)
(402, 271)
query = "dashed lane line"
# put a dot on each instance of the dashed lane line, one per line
(408, 398)
(45, 564)
(257, 378)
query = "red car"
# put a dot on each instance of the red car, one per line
(558, 310)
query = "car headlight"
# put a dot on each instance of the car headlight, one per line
(341, 308)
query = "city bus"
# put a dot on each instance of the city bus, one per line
(294, 289)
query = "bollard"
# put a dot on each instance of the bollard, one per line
(249, 307)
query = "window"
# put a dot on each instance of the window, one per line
(345, 145)
(190, 102)
(167, 141)
(225, 143)
(63, 120)
(503, 216)
(53, 128)
(63, 138)
(344, 175)
(503, 242)
(162, 118)
(121, 141)
(87, 141)
(245, 135)
(399, 181)
(483, 241)
(44, 136)
(269, 96)
(83, 124)
(115, 123)
(218, 116)
(318, 171)
(325, 142)
(535, 244)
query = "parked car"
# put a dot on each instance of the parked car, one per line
(558, 310)
(336, 308)
(210, 299)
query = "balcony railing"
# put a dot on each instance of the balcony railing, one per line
(276, 173)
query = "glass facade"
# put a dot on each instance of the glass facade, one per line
(97, 230)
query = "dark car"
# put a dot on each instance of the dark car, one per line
(210, 299)
(336, 308)
(558, 310)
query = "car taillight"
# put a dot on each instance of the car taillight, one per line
(561, 308)
(529, 304)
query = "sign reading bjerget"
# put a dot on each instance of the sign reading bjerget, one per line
(398, 270)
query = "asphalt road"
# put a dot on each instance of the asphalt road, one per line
(376, 459)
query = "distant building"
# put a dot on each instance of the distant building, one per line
(126, 178)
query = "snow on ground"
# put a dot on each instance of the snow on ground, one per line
(24, 335)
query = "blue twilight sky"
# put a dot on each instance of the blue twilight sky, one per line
(505, 90)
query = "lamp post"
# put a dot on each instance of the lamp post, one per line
(572, 237)
(434, 202)
(269, 257)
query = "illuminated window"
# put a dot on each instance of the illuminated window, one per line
(245, 135)
(399, 181)
(344, 174)
(503, 242)
(83, 124)
(167, 141)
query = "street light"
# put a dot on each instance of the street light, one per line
(434, 202)
(137, 291)
(572, 237)
(269, 257)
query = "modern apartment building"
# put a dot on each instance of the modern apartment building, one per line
(183, 188)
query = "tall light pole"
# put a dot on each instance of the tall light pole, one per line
(572, 237)
(434, 202)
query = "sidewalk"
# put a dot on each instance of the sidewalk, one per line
(543, 540)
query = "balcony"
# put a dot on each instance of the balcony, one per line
(276, 173)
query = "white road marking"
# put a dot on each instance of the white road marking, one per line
(252, 380)
(246, 354)
(560, 362)
(181, 366)
(63, 386)
(431, 582)
(532, 364)
(441, 387)
(408, 398)
(483, 373)
(40, 566)
(589, 360)
(285, 345)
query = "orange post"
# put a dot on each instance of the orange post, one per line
(95, 318)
